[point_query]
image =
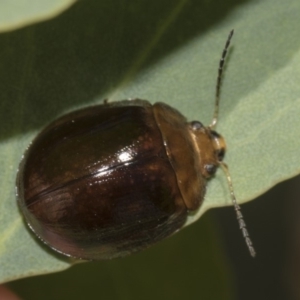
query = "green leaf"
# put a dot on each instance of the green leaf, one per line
(168, 52)
(15, 14)
(174, 269)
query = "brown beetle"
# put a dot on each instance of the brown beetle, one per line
(113, 179)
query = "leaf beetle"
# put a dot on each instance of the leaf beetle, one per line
(110, 180)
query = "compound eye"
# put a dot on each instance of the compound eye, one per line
(221, 154)
(196, 125)
(211, 169)
(219, 145)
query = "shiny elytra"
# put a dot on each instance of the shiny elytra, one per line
(113, 179)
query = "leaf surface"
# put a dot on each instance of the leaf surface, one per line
(165, 52)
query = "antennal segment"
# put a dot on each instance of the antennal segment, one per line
(238, 212)
(219, 80)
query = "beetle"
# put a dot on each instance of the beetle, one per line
(110, 180)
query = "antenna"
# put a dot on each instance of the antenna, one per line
(219, 80)
(237, 208)
(238, 212)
